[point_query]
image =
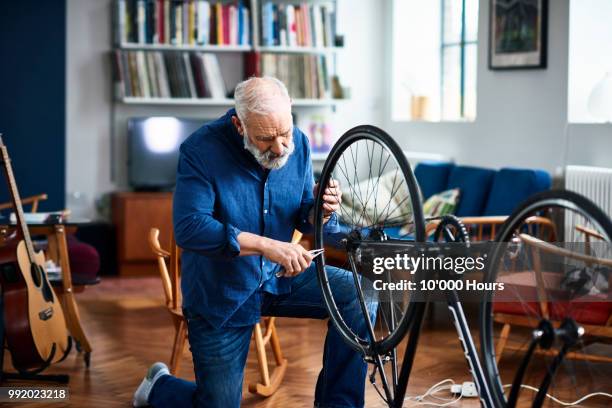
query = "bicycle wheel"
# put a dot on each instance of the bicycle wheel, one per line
(381, 202)
(538, 253)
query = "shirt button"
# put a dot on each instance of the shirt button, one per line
(265, 211)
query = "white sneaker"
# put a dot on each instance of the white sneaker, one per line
(141, 396)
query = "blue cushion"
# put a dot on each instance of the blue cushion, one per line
(432, 177)
(474, 184)
(511, 186)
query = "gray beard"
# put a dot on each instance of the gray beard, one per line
(268, 159)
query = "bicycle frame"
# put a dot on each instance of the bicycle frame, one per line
(466, 341)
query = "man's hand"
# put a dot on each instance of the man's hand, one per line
(292, 257)
(332, 198)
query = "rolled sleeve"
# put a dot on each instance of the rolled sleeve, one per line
(195, 226)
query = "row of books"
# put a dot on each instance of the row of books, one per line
(309, 25)
(186, 22)
(168, 74)
(306, 76)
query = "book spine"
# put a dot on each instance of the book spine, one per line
(171, 74)
(118, 75)
(141, 21)
(143, 76)
(194, 62)
(185, 23)
(246, 17)
(299, 31)
(291, 26)
(121, 22)
(190, 80)
(226, 24)
(233, 18)
(152, 70)
(129, 90)
(166, 21)
(162, 74)
(219, 21)
(192, 29)
(202, 17)
(158, 21)
(184, 80)
(282, 25)
(240, 34)
(179, 24)
(275, 27)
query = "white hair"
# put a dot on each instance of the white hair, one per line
(259, 95)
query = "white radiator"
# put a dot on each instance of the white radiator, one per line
(595, 183)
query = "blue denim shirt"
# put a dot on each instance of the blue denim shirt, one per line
(221, 190)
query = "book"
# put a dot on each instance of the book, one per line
(246, 27)
(198, 75)
(220, 22)
(166, 23)
(203, 22)
(178, 24)
(212, 73)
(189, 74)
(141, 13)
(152, 75)
(164, 86)
(142, 74)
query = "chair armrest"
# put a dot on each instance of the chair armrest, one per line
(25, 201)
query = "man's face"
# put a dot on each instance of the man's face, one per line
(268, 137)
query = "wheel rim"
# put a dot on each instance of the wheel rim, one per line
(567, 210)
(367, 218)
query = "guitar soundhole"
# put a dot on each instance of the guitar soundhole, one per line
(36, 275)
(39, 278)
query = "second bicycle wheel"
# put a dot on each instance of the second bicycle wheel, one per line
(553, 257)
(380, 202)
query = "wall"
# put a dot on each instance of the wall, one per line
(32, 100)
(95, 144)
(521, 115)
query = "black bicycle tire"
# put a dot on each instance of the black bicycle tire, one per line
(537, 201)
(378, 135)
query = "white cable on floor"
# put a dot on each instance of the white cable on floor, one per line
(558, 401)
(434, 389)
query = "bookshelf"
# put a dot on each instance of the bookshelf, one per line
(219, 102)
(158, 45)
(170, 47)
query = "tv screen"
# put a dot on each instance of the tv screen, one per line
(153, 149)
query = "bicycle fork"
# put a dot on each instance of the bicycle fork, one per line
(469, 349)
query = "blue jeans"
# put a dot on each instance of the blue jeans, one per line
(219, 355)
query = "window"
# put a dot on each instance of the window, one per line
(589, 59)
(434, 60)
(458, 54)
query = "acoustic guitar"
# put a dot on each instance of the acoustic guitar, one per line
(35, 328)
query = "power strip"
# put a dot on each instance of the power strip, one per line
(467, 389)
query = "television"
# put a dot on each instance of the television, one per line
(153, 150)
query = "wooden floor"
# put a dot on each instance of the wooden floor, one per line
(130, 329)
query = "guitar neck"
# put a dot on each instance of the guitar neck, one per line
(16, 199)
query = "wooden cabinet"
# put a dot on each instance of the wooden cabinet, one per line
(134, 214)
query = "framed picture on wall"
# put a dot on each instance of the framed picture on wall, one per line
(518, 34)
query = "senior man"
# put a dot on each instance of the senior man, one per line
(244, 183)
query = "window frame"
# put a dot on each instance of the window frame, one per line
(462, 44)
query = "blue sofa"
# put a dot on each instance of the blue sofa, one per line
(484, 192)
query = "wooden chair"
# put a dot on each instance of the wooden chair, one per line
(264, 332)
(485, 227)
(32, 200)
(546, 283)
